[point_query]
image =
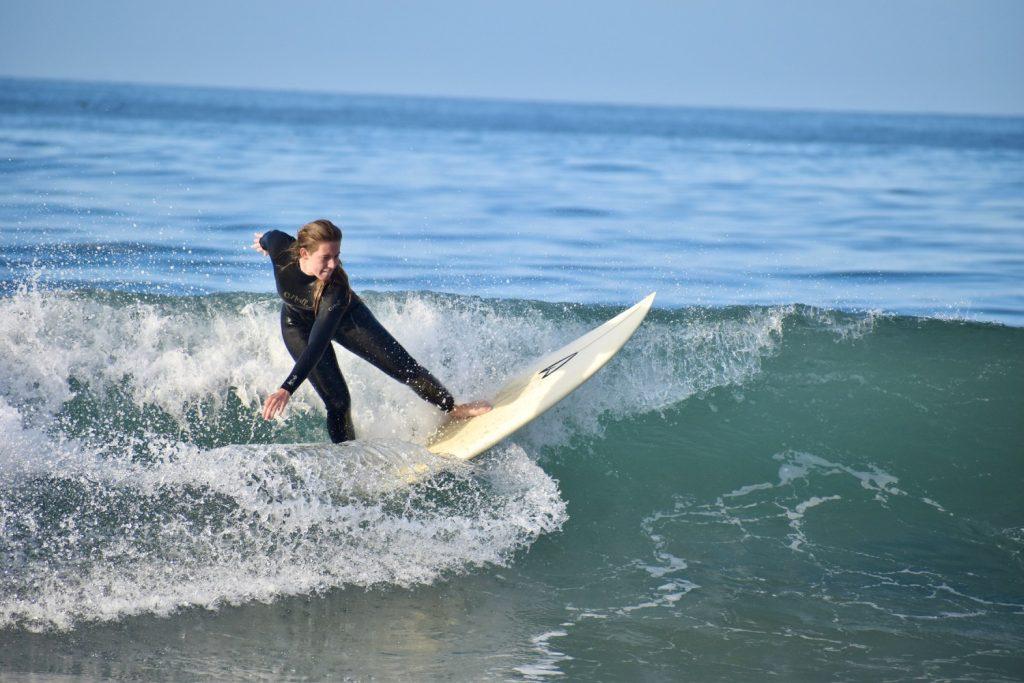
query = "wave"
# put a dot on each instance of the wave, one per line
(137, 476)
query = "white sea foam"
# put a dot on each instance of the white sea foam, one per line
(796, 516)
(204, 528)
(548, 658)
(137, 521)
(755, 509)
(797, 464)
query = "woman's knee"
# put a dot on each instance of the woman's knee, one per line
(337, 402)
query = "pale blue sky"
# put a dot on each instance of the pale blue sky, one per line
(963, 56)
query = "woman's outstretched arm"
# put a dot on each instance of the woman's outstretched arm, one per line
(327, 318)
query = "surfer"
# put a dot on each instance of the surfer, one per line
(319, 305)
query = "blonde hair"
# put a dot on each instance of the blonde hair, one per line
(310, 237)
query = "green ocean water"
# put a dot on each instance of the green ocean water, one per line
(744, 493)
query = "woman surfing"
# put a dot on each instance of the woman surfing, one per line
(320, 306)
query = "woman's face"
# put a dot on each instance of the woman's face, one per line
(322, 262)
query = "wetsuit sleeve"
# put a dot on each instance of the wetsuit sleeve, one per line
(276, 243)
(332, 308)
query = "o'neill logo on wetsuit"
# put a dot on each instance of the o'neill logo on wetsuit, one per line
(556, 365)
(297, 299)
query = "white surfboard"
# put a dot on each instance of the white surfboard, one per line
(534, 390)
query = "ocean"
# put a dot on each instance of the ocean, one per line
(806, 465)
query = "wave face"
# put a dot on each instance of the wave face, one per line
(755, 490)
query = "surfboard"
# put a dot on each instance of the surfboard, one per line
(533, 390)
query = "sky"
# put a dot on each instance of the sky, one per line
(955, 56)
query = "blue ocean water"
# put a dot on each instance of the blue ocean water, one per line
(806, 465)
(161, 188)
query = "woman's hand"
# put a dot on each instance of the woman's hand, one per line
(275, 403)
(466, 410)
(256, 244)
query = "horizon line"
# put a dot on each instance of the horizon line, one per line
(520, 100)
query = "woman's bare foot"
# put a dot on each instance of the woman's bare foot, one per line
(466, 410)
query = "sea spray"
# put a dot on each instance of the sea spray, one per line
(108, 538)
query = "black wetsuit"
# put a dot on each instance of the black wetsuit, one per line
(348, 322)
